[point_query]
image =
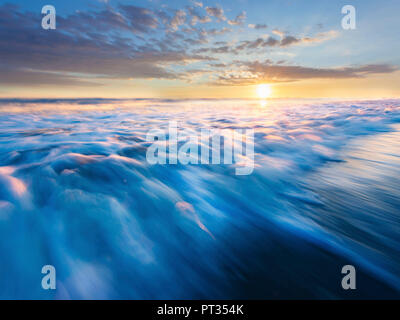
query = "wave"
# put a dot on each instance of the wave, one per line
(77, 192)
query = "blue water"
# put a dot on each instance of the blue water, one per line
(76, 192)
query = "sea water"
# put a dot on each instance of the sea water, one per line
(77, 193)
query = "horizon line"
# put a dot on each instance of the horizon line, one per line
(84, 100)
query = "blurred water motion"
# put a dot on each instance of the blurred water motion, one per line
(77, 192)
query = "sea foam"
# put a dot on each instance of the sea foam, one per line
(76, 192)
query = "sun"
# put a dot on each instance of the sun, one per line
(264, 91)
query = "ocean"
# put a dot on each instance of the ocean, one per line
(77, 193)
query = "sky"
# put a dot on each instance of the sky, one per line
(199, 49)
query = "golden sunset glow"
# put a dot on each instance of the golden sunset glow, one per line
(264, 91)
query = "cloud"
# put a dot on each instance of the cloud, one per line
(261, 43)
(128, 18)
(198, 4)
(216, 12)
(239, 20)
(248, 73)
(197, 17)
(278, 33)
(74, 55)
(217, 65)
(215, 32)
(215, 50)
(258, 43)
(130, 42)
(322, 37)
(21, 77)
(289, 40)
(178, 20)
(285, 41)
(139, 19)
(257, 26)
